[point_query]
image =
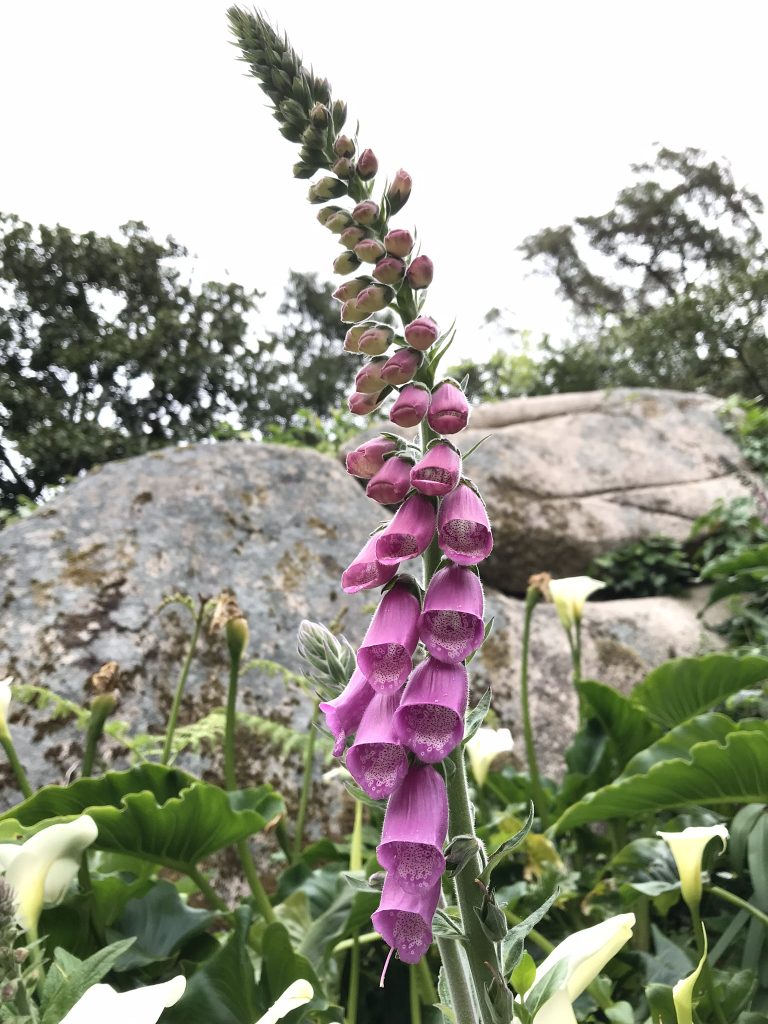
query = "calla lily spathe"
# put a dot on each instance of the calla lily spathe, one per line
(587, 953)
(483, 749)
(570, 596)
(299, 993)
(41, 869)
(688, 850)
(140, 1006)
(5, 704)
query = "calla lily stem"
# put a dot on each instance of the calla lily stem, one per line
(737, 901)
(16, 765)
(709, 982)
(537, 791)
(181, 683)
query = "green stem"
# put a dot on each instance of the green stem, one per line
(364, 940)
(642, 935)
(208, 891)
(101, 707)
(355, 864)
(455, 968)
(428, 990)
(709, 982)
(258, 891)
(415, 999)
(737, 901)
(532, 598)
(16, 766)
(37, 958)
(306, 783)
(181, 683)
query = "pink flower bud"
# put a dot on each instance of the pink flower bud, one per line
(374, 298)
(401, 367)
(421, 333)
(390, 270)
(367, 165)
(409, 534)
(350, 314)
(463, 529)
(346, 263)
(369, 250)
(343, 167)
(344, 146)
(366, 213)
(376, 340)
(438, 471)
(398, 242)
(362, 405)
(449, 410)
(351, 289)
(421, 272)
(391, 483)
(350, 236)
(353, 336)
(368, 380)
(399, 191)
(411, 406)
(368, 458)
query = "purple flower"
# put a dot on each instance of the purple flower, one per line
(401, 366)
(449, 410)
(353, 336)
(410, 532)
(376, 760)
(368, 458)
(385, 656)
(430, 718)
(411, 406)
(463, 529)
(366, 572)
(415, 827)
(404, 920)
(343, 713)
(368, 380)
(421, 272)
(391, 483)
(421, 333)
(438, 471)
(398, 242)
(451, 625)
(389, 270)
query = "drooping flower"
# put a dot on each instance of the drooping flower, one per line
(463, 527)
(449, 409)
(404, 920)
(344, 713)
(587, 952)
(438, 471)
(421, 333)
(41, 869)
(366, 571)
(377, 760)
(410, 533)
(386, 653)
(451, 625)
(140, 1006)
(483, 749)
(415, 827)
(392, 482)
(570, 596)
(688, 849)
(368, 458)
(401, 366)
(430, 718)
(411, 406)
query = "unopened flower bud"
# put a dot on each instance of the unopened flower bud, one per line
(366, 213)
(351, 289)
(20, 955)
(327, 212)
(325, 189)
(368, 380)
(459, 852)
(8, 992)
(398, 242)
(374, 298)
(350, 314)
(389, 270)
(401, 367)
(344, 146)
(313, 136)
(421, 272)
(320, 116)
(370, 250)
(353, 336)
(367, 165)
(362, 405)
(399, 191)
(350, 236)
(338, 222)
(343, 167)
(346, 263)
(449, 411)
(368, 458)
(421, 333)
(411, 406)
(376, 339)
(237, 637)
(391, 483)
(304, 169)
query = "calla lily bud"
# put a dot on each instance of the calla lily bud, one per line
(369, 250)
(438, 472)
(375, 298)
(350, 236)
(409, 534)
(415, 827)
(143, 1005)
(367, 165)
(325, 189)
(367, 459)
(350, 314)
(343, 713)
(386, 653)
(376, 340)
(404, 920)
(389, 270)
(421, 272)
(361, 404)
(376, 760)
(411, 406)
(451, 626)
(398, 242)
(421, 333)
(366, 213)
(366, 571)
(486, 747)
(338, 222)
(344, 146)
(351, 289)
(368, 380)
(345, 263)
(449, 411)
(343, 167)
(5, 705)
(391, 483)
(320, 116)
(570, 595)
(399, 191)
(688, 850)
(401, 367)
(430, 718)
(463, 528)
(327, 212)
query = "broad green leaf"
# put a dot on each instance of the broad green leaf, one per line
(68, 978)
(684, 687)
(626, 724)
(757, 860)
(160, 814)
(281, 966)
(716, 774)
(678, 742)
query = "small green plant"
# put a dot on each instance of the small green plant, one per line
(746, 420)
(644, 568)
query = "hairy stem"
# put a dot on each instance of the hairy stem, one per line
(181, 683)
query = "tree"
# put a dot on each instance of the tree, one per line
(669, 288)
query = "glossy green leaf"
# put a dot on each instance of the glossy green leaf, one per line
(677, 743)
(626, 723)
(281, 966)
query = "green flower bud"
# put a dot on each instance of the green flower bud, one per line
(345, 263)
(344, 146)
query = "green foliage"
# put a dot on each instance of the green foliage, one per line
(69, 978)
(644, 568)
(741, 578)
(747, 421)
(308, 430)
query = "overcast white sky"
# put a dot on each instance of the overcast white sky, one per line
(509, 116)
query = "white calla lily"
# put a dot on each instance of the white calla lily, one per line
(40, 870)
(483, 749)
(5, 704)
(297, 994)
(140, 1006)
(682, 992)
(587, 953)
(570, 595)
(688, 850)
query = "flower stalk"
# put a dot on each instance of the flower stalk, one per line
(532, 597)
